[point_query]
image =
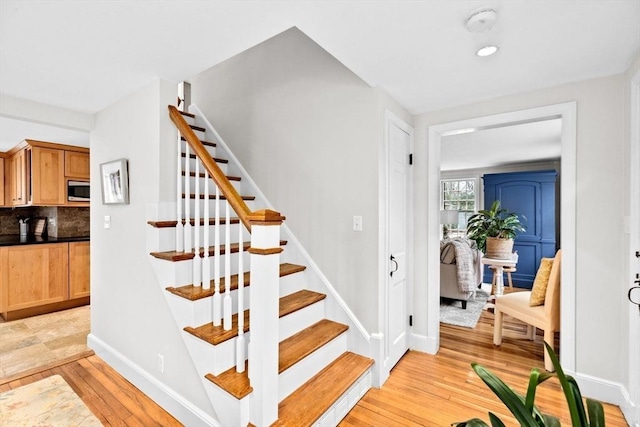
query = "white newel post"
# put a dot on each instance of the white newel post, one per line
(263, 347)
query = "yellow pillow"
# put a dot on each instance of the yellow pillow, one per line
(539, 289)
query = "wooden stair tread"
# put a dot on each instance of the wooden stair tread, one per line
(198, 128)
(171, 224)
(308, 340)
(185, 113)
(194, 293)
(183, 256)
(217, 160)
(207, 143)
(202, 175)
(288, 304)
(213, 197)
(306, 405)
(234, 383)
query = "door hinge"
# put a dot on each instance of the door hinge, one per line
(411, 320)
(411, 158)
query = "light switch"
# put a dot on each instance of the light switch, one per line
(107, 221)
(357, 223)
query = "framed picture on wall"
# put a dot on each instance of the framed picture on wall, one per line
(114, 181)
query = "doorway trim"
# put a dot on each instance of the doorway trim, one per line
(383, 370)
(631, 409)
(566, 112)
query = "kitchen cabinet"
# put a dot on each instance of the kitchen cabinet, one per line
(17, 177)
(76, 164)
(33, 275)
(79, 269)
(38, 171)
(44, 277)
(47, 176)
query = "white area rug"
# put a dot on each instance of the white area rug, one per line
(50, 402)
(451, 312)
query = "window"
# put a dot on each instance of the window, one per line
(460, 195)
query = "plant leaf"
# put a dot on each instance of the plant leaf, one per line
(514, 402)
(578, 416)
(474, 422)
(551, 421)
(535, 378)
(495, 421)
(596, 413)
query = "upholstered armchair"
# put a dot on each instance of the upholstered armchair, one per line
(460, 269)
(545, 316)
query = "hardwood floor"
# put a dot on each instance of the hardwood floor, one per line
(425, 390)
(111, 398)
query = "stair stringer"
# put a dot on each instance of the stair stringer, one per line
(359, 340)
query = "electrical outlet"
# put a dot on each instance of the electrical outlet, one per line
(107, 221)
(161, 363)
(357, 223)
(52, 222)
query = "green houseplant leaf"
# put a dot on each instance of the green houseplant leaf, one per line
(494, 222)
(596, 413)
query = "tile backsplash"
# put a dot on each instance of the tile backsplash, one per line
(70, 222)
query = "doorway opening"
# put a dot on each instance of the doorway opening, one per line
(566, 113)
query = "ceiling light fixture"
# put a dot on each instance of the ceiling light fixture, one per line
(481, 20)
(487, 50)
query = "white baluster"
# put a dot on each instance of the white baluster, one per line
(240, 341)
(217, 301)
(197, 261)
(188, 245)
(227, 271)
(206, 269)
(179, 225)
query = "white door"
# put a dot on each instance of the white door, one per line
(397, 336)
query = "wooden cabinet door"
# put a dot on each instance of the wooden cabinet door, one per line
(79, 269)
(47, 173)
(17, 175)
(33, 275)
(2, 202)
(76, 164)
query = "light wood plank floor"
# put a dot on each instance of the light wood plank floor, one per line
(425, 390)
(422, 390)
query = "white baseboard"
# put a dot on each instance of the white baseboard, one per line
(424, 343)
(167, 398)
(605, 391)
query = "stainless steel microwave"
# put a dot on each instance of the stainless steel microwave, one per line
(78, 191)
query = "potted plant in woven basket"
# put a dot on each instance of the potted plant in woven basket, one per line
(494, 230)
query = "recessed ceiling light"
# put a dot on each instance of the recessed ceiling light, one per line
(487, 50)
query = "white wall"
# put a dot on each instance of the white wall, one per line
(308, 131)
(600, 199)
(37, 112)
(128, 310)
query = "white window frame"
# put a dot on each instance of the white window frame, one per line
(461, 231)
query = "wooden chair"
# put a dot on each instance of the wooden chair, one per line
(545, 317)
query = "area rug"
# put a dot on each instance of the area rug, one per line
(50, 402)
(452, 313)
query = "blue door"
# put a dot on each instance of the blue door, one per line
(533, 196)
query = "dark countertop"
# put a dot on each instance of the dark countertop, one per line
(15, 239)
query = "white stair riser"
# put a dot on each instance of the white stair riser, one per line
(164, 239)
(192, 166)
(190, 120)
(230, 411)
(212, 189)
(212, 205)
(199, 134)
(295, 322)
(305, 369)
(346, 402)
(210, 149)
(292, 283)
(214, 359)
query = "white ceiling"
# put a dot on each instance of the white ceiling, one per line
(85, 55)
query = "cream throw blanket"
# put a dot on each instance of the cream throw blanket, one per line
(463, 253)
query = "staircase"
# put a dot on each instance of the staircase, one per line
(316, 372)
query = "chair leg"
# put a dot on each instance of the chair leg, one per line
(510, 281)
(493, 283)
(548, 338)
(497, 328)
(464, 304)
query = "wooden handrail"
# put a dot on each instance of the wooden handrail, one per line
(225, 186)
